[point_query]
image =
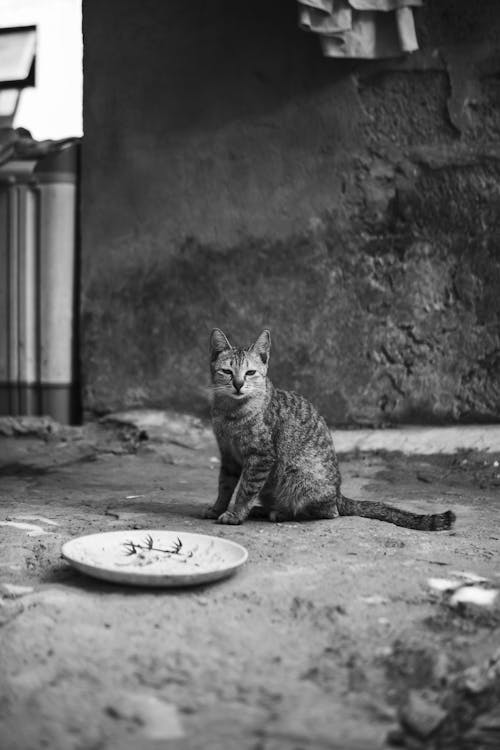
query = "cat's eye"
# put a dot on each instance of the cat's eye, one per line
(250, 372)
(227, 372)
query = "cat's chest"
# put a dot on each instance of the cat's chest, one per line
(242, 438)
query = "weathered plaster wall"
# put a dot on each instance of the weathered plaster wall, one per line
(234, 177)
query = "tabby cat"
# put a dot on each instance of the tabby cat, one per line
(277, 450)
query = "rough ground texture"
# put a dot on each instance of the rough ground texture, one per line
(329, 637)
(242, 180)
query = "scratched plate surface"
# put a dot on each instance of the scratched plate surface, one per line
(153, 557)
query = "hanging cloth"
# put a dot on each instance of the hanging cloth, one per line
(369, 29)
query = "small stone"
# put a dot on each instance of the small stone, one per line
(422, 715)
(474, 595)
(375, 599)
(158, 719)
(476, 680)
(14, 590)
(441, 668)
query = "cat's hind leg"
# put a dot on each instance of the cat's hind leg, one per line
(268, 508)
(278, 516)
(259, 512)
(300, 494)
(317, 510)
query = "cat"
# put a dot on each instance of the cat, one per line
(277, 451)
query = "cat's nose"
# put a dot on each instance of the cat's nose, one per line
(238, 384)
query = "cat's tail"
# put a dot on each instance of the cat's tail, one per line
(383, 512)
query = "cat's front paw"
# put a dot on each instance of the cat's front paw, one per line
(230, 518)
(211, 512)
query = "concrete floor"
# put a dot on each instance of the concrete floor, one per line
(329, 637)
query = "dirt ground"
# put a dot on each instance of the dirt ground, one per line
(329, 637)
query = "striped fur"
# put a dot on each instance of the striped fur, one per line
(277, 452)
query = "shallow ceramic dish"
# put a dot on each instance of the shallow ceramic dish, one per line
(155, 557)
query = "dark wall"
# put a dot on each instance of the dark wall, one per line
(234, 177)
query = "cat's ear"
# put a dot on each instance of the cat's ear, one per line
(262, 346)
(218, 343)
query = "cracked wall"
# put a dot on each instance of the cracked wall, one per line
(351, 207)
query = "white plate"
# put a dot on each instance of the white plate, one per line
(155, 557)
